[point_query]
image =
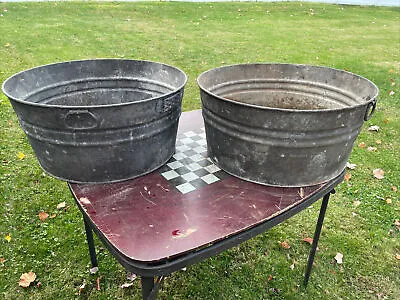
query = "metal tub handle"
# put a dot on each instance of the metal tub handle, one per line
(370, 110)
(81, 119)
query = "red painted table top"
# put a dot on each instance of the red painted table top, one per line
(185, 205)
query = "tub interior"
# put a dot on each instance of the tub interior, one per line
(97, 92)
(295, 87)
(94, 82)
(286, 95)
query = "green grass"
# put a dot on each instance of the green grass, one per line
(196, 37)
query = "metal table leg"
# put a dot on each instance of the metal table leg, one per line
(150, 287)
(317, 233)
(89, 238)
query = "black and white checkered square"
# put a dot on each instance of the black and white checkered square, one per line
(190, 168)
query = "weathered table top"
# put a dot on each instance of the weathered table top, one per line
(185, 205)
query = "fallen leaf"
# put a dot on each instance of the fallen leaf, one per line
(131, 276)
(98, 283)
(270, 277)
(285, 245)
(362, 145)
(82, 287)
(350, 166)
(53, 216)
(43, 215)
(378, 173)
(372, 149)
(398, 256)
(2, 261)
(8, 237)
(397, 224)
(386, 121)
(357, 203)
(378, 142)
(126, 285)
(339, 258)
(26, 279)
(61, 205)
(20, 156)
(373, 128)
(266, 253)
(301, 192)
(85, 200)
(391, 93)
(7, 45)
(308, 240)
(394, 188)
(292, 265)
(347, 176)
(388, 200)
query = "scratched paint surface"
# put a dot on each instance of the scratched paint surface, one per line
(148, 220)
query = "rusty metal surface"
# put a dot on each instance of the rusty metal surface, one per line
(99, 120)
(283, 124)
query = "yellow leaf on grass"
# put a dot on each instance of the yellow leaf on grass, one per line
(388, 200)
(26, 279)
(394, 188)
(362, 145)
(8, 237)
(20, 156)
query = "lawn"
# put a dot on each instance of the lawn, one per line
(361, 219)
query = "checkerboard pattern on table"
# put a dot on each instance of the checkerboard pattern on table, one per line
(190, 168)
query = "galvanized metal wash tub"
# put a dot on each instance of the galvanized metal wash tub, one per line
(100, 120)
(283, 124)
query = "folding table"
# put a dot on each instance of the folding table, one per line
(187, 210)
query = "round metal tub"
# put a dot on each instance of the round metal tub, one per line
(283, 124)
(101, 120)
